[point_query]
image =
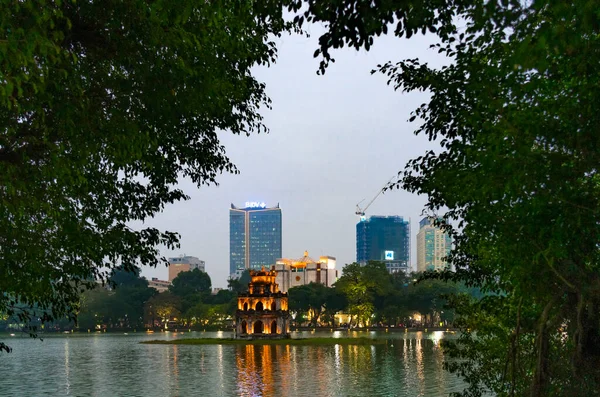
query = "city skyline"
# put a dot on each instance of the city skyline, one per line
(328, 149)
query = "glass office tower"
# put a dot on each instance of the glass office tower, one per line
(433, 246)
(384, 238)
(254, 237)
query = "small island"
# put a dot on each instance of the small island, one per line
(293, 342)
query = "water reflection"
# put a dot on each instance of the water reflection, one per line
(255, 369)
(175, 370)
(67, 382)
(410, 364)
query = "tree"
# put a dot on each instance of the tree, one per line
(131, 294)
(308, 300)
(94, 308)
(121, 278)
(362, 286)
(222, 297)
(515, 112)
(238, 285)
(191, 287)
(102, 107)
(192, 282)
(299, 301)
(198, 314)
(429, 298)
(121, 307)
(334, 301)
(163, 307)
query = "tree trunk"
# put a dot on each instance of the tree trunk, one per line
(541, 378)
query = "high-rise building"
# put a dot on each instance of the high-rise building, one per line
(254, 237)
(384, 238)
(184, 264)
(433, 244)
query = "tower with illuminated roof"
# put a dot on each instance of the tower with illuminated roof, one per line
(254, 237)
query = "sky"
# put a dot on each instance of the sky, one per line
(334, 140)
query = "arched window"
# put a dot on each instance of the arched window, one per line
(259, 307)
(258, 327)
(273, 306)
(245, 305)
(274, 327)
(244, 327)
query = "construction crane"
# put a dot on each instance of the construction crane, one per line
(361, 211)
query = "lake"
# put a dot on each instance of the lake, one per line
(410, 364)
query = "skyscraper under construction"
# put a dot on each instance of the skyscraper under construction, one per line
(384, 238)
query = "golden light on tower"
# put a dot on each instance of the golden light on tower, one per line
(263, 310)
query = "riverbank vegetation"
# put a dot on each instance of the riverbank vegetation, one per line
(370, 296)
(364, 296)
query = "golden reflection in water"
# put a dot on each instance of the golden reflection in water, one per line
(337, 359)
(220, 364)
(437, 336)
(359, 360)
(255, 372)
(282, 356)
(249, 378)
(420, 364)
(175, 371)
(267, 371)
(67, 380)
(322, 377)
(337, 363)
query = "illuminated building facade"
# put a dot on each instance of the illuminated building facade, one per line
(433, 245)
(254, 237)
(184, 264)
(262, 312)
(303, 271)
(386, 239)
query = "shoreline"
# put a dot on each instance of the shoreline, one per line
(286, 341)
(216, 329)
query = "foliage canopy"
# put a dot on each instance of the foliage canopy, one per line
(103, 105)
(516, 115)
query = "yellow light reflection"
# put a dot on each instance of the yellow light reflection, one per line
(67, 381)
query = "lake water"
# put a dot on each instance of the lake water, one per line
(410, 364)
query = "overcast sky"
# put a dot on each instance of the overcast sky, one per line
(335, 140)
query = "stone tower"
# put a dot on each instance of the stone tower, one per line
(263, 311)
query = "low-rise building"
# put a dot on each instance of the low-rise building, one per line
(159, 285)
(297, 272)
(184, 264)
